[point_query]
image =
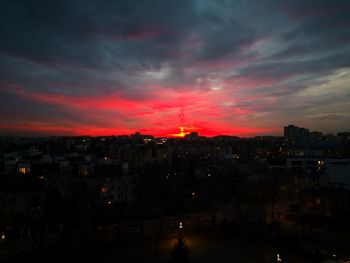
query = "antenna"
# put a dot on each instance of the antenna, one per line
(182, 117)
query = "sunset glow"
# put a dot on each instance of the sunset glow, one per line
(182, 133)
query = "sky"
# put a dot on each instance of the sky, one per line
(234, 67)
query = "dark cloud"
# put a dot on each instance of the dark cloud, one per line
(75, 31)
(281, 70)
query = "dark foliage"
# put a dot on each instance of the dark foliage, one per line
(180, 253)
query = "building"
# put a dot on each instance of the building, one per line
(294, 135)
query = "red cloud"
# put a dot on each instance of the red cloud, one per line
(204, 110)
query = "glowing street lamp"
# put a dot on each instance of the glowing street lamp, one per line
(3, 236)
(278, 259)
(181, 226)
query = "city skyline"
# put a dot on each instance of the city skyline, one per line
(241, 68)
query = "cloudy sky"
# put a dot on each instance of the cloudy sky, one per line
(240, 67)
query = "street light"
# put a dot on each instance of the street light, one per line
(180, 229)
(181, 226)
(3, 236)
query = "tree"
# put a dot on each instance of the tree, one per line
(180, 253)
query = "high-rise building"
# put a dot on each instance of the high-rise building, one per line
(295, 135)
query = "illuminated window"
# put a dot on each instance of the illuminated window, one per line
(104, 189)
(318, 201)
(23, 170)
